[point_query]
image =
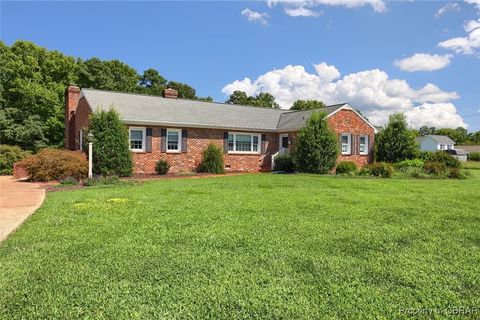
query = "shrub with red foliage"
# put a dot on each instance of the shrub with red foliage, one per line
(55, 164)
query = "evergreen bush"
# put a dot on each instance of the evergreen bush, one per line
(346, 167)
(8, 156)
(316, 146)
(396, 142)
(162, 167)
(212, 160)
(380, 169)
(111, 150)
(284, 163)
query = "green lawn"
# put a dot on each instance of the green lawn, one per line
(472, 165)
(252, 246)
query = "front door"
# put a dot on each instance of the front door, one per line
(283, 143)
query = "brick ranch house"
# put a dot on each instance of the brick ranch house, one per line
(178, 130)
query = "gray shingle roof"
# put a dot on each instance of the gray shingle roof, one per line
(294, 120)
(144, 110)
(440, 139)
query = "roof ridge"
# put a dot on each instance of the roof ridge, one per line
(215, 102)
(183, 99)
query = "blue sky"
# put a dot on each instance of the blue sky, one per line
(364, 55)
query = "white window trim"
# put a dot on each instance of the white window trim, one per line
(280, 137)
(179, 131)
(259, 148)
(366, 144)
(349, 143)
(144, 138)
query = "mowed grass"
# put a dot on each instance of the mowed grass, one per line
(471, 165)
(253, 246)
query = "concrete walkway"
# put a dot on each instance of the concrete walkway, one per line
(18, 200)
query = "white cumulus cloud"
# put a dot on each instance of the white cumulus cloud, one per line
(424, 62)
(301, 12)
(371, 91)
(255, 16)
(469, 44)
(377, 5)
(449, 7)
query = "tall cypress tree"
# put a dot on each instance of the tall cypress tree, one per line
(316, 147)
(111, 150)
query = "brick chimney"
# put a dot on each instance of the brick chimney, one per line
(170, 93)
(72, 96)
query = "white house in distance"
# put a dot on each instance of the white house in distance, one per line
(434, 142)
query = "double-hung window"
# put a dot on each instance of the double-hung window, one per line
(363, 144)
(346, 143)
(137, 139)
(243, 142)
(174, 140)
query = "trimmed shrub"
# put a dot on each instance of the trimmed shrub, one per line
(407, 164)
(474, 156)
(212, 160)
(445, 158)
(101, 180)
(425, 155)
(8, 156)
(455, 173)
(380, 169)
(111, 150)
(162, 167)
(316, 146)
(284, 163)
(346, 167)
(435, 168)
(55, 164)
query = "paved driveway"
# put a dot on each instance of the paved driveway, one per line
(18, 200)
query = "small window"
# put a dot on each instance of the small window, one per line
(346, 143)
(284, 142)
(255, 144)
(137, 139)
(442, 147)
(230, 142)
(174, 140)
(243, 143)
(363, 144)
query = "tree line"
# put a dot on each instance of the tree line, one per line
(32, 85)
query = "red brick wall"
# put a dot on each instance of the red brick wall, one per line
(72, 95)
(347, 121)
(81, 120)
(197, 141)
